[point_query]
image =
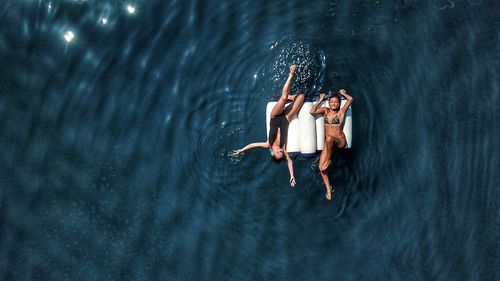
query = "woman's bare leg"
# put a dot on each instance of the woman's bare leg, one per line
(280, 106)
(299, 101)
(341, 142)
(324, 162)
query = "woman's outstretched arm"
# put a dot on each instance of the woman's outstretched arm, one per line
(314, 109)
(290, 169)
(250, 146)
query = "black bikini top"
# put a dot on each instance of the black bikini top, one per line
(335, 121)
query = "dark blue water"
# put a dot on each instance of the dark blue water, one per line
(116, 123)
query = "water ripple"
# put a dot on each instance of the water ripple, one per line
(119, 118)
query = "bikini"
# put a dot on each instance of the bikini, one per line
(335, 121)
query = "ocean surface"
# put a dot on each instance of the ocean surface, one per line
(117, 120)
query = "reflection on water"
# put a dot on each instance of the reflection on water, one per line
(119, 117)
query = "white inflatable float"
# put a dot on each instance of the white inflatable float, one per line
(306, 133)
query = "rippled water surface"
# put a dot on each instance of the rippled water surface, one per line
(117, 120)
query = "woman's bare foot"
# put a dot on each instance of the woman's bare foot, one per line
(329, 193)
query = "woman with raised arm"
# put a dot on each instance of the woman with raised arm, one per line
(281, 115)
(334, 134)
